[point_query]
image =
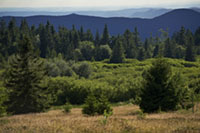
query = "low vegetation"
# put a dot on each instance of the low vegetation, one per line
(126, 118)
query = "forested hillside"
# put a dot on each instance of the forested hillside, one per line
(80, 44)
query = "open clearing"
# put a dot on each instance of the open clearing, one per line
(125, 119)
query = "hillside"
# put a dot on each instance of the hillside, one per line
(117, 25)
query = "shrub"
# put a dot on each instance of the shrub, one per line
(3, 98)
(83, 69)
(103, 105)
(95, 105)
(103, 52)
(67, 107)
(91, 105)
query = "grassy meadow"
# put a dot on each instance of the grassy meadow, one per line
(125, 119)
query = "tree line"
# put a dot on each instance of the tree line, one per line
(77, 44)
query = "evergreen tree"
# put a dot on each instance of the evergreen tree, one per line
(81, 34)
(190, 54)
(89, 36)
(182, 36)
(105, 37)
(103, 105)
(76, 40)
(24, 28)
(156, 51)
(97, 39)
(141, 54)
(129, 45)
(168, 52)
(147, 49)
(197, 37)
(23, 80)
(136, 37)
(162, 90)
(90, 106)
(118, 53)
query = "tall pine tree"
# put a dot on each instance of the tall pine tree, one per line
(162, 90)
(23, 80)
(118, 53)
(190, 54)
(105, 37)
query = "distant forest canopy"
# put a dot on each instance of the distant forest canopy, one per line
(81, 44)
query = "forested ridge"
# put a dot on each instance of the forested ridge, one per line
(79, 44)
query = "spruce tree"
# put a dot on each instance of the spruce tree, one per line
(23, 80)
(97, 39)
(162, 90)
(156, 51)
(105, 37)
(118, 53)
(168, 52)
(190, 55)
(141, 54)
(136, 37)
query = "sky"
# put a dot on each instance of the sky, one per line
(94, 4)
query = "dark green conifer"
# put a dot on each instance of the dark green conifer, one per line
(118, 53)
(162, 90)
(23, 80)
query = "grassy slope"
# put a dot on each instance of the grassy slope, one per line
(125, 119)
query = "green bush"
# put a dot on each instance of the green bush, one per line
(67, 107)
(103, 105)
(83, 69)
(3, 98)
(95, 105)
(91, 105)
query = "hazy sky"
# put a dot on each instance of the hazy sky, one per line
(99, 3)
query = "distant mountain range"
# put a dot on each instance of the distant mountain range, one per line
(172, 21)
(130, 13)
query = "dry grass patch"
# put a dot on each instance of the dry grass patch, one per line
(124, 120)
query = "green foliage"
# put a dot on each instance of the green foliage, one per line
(83, 69)
(58, 67)
(67, 107)
(103, 52)
(105, 37)
(103, 105)
(95, 105)
(23, 80)
(190, 55)
(87, 49)
(91, 105)
(3, 99)
(162, 90)
(106, 116)
(118, 53)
